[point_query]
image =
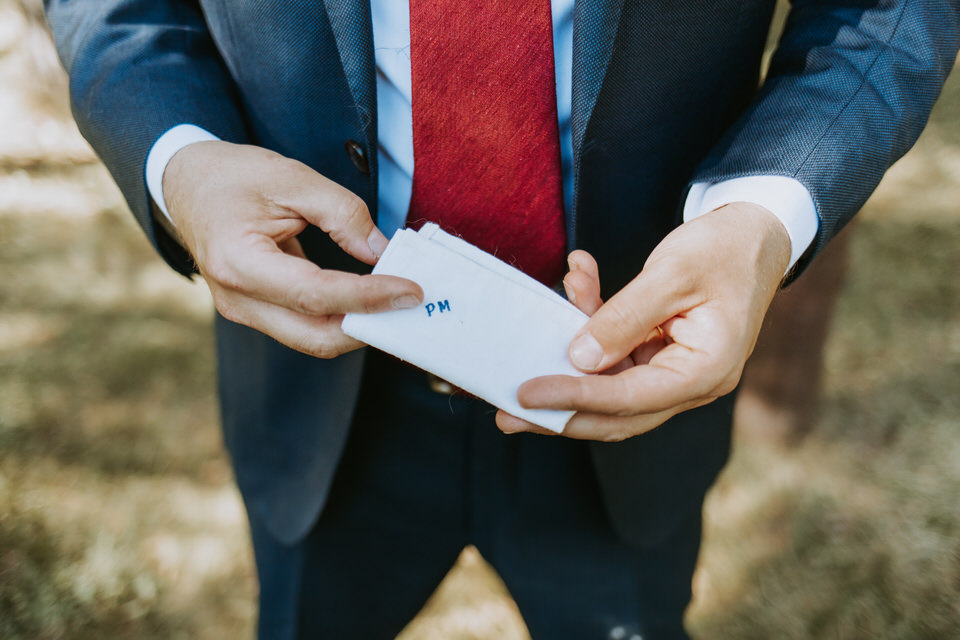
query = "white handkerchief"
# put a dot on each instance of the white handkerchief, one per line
(483, 325)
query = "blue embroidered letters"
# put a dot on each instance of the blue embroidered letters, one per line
(439, 307)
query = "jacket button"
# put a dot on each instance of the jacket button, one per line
(358, 156)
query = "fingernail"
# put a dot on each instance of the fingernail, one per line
(377, 242)
(571, 294)
(586, 353)
(572, 264)
(406, 302)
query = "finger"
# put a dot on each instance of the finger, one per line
(300, 285)
(623, 365)
(581, 260)
(591, 426)
(674, 377)
(654, 344)
(583, 291)
(316, 336)
(339, 212)
(603, 428)
(624, 321)
(509, 423)
(292, 247)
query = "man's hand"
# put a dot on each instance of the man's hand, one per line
(676, 337)
(238, 210)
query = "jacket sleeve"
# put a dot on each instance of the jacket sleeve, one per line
(138, 68)
(849, 90)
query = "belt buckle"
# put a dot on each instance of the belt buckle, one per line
(439, 385)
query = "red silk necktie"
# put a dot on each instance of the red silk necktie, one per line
(485, 134)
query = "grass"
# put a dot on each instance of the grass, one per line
(119, 519)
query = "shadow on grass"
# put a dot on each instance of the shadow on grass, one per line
(842, 572)
(117, 516)
(106, 372)
(55, 586)
(894, 356)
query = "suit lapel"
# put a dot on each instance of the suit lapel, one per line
(353, 31)
(594, 30)
(595, 25)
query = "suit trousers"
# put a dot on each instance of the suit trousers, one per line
(425, 474)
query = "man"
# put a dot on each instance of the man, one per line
(298, 147)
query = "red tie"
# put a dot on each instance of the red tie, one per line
(485, 135)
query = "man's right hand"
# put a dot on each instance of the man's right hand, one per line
(239, 209)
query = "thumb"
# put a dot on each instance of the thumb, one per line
(624, 322)
(582, 283)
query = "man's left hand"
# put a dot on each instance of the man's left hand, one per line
(676, 337)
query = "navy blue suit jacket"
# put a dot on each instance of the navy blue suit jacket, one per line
(665, 93)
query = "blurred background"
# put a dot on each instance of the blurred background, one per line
(837, 517)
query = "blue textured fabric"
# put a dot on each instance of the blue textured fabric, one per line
(665, 93)
(848, 93)
(594, 30)
(395, 524)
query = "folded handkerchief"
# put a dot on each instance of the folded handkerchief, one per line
(483, 325)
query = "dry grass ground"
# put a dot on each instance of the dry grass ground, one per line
(118, 518)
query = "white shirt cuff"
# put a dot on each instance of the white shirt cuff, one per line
(785, 197)
(163, 149)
